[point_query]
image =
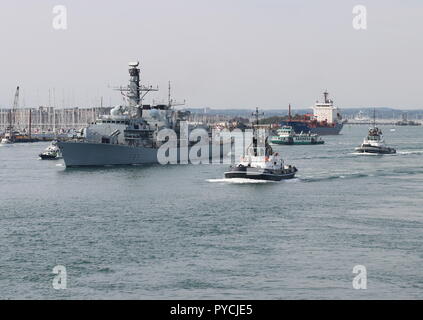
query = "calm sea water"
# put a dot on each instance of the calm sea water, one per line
(163, 232)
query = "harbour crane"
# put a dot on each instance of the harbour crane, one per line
(14, 108)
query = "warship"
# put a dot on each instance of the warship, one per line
(130, 135)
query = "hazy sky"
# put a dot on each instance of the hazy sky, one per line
(217, 53)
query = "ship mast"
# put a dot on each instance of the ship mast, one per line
(374, 117)
(289, 113)
(256, 115)
(135, 91)
(326, 94)
(170, 102)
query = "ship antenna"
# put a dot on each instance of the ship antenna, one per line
(326, 96)
(172, 103)
(374, 117)
(256, 115)
(168, 96)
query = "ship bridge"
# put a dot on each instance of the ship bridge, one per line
(325, 111)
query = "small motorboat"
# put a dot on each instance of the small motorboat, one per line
(52, 152)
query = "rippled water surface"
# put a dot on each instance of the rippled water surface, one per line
(162, 232)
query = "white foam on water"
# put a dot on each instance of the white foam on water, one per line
(240, 181)
(60, 165)
(291, 180)
(365, 154)
(410, 152)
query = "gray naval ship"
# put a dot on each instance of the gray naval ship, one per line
(129, 135)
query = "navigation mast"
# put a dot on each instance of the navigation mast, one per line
(12, 112)
(135, 92)
(171, 102)
(326, 93)
(374, 117)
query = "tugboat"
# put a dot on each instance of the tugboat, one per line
(287, 136)
(374, 142)
(52, 152)
(261, 163)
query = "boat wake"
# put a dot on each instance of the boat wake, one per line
(240, 181)
(398, 172)
(334, 177)
(410, 152)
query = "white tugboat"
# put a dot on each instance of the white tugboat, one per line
(261, 163)
(374, 143)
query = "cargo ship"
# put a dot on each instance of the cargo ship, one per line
(325, 120)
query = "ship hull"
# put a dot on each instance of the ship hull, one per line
(85, 154)
(258, 174)
(48, 157)
(375, 150)
(300, 126)
(296, 143)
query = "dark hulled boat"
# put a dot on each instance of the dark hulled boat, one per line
(261, 163)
